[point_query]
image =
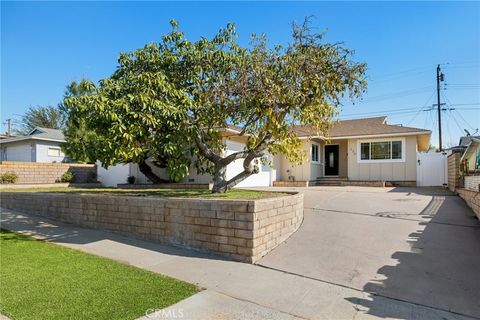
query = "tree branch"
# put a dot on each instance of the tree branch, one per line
(205, 150)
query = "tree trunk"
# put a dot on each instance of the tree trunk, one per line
(224, 185)
(220, 184)
(218, 178)
(147, 172)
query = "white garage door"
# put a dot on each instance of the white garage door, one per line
(432, 169)
(262, 179)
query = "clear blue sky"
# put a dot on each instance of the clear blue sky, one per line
(45, 45)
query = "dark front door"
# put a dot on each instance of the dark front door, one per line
(331, 160)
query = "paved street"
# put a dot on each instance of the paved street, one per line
(417, 250)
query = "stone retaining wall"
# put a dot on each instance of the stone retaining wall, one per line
(291, 184)
(244, 230)
(454, 178)
(472, 198)
(472, 183)
(11, 186)
(373, 183)
(173, 185)
(40, 173)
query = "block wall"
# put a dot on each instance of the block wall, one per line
(453, 171)
(244, 230)
(472, 183)
(472, 199)
(41, 173)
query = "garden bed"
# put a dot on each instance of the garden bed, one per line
(234, 194)
(178, 185)
(240, 224)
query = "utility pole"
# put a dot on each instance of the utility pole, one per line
(440, 77)
(9, 126)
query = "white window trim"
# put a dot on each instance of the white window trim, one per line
(318, 153)
(359, 151)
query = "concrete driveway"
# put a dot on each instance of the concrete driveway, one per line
(416, 245)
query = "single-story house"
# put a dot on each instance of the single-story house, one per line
(471, 156)
(367, 149)
(463, 143)
(39, 145)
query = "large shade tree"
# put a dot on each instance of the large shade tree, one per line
(80, 139)
(170, 101)
(41, 116)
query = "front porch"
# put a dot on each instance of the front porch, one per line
(344, 181)
(329, 160)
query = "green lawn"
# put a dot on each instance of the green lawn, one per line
(184, 193)
(40, 280)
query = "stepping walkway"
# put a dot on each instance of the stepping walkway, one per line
(233, 290)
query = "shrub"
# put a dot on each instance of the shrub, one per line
(67, 177)
(131, 179)
(8, 178)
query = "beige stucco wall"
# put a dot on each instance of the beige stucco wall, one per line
(309, 170)
(301, 172)
(389, 171)
(343, 158)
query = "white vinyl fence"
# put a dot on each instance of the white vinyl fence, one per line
(432, 169)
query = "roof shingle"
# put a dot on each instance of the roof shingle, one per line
(360, 127)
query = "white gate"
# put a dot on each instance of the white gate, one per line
(432, 169)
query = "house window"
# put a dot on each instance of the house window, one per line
(365, 151)
(55, 152)
(381, 150)
(315, 153)
(396, 149)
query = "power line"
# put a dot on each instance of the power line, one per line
(466, 104)
(459, 114)
(421, 109)
(398, 94)
(412, 110)
(465, 121)
(426, 69)
(456, 122)
(462, 84)
(462, 88)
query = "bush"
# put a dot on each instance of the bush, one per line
(8, 178)
(67, 177)
(131, 179)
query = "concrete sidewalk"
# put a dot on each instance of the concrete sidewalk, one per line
(234, 290)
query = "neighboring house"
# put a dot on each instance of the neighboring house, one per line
(39, 145)
(363, 149)
(471, 156)
(4, 136)
(463, 143)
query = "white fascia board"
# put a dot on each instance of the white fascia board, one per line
(15, 139)
(46, 139)
(4, 141)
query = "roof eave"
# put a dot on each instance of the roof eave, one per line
(396, 134)
(4, 141)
